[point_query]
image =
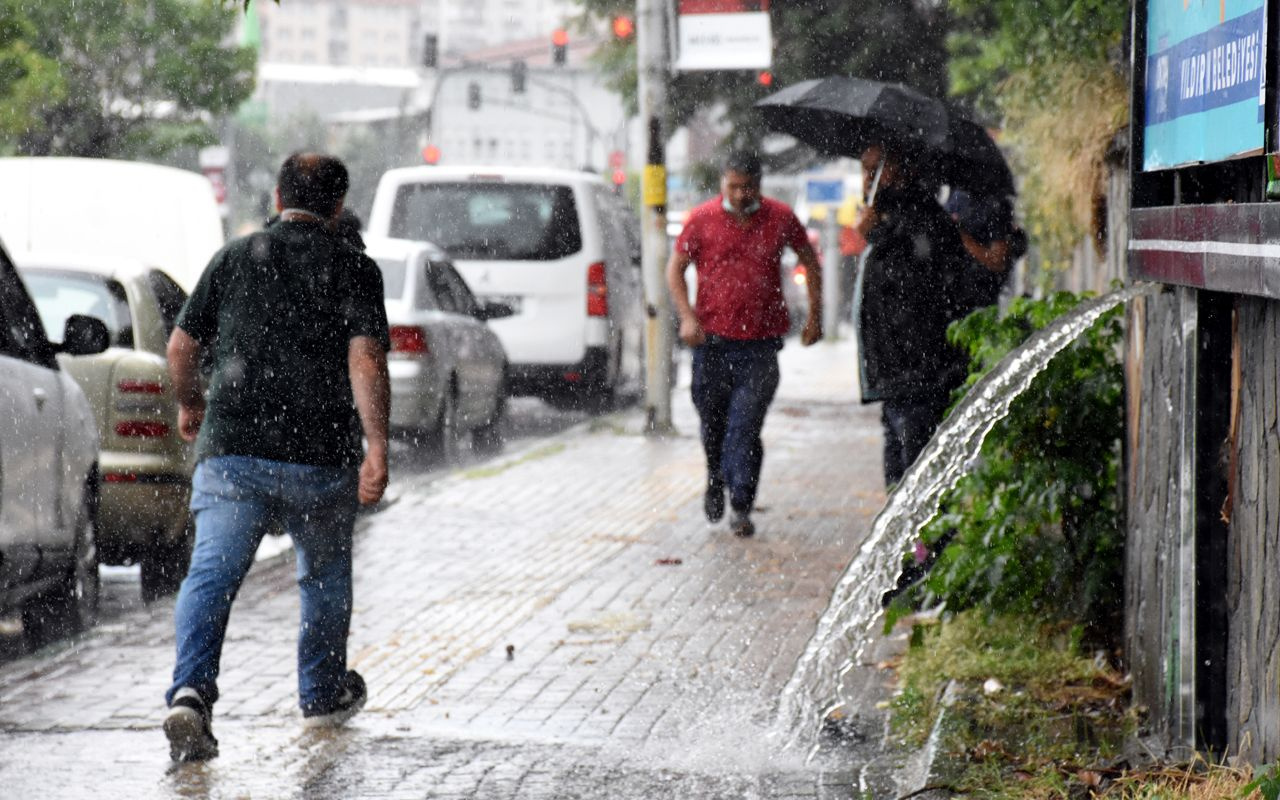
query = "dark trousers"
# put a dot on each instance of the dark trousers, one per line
(733, 385)
(908, 424)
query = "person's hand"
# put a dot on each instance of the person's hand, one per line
(867, 220)
(812, 330)
(190, 417)
(373, 476)
(691, 332)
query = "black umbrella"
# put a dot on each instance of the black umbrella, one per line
(843, 116)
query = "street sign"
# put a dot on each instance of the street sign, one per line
(724, 34)
(824, 190)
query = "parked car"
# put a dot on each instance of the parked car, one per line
(145, 466)
(156, 214)
(49, 463)
(557, 246)
(448, 369)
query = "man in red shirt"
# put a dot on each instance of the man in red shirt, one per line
(736, 327)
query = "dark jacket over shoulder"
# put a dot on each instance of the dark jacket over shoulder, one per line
(278, 310)
(918, 279)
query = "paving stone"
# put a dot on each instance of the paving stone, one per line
(649, 648)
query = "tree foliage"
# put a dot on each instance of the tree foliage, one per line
(890, 40)
(117, 78)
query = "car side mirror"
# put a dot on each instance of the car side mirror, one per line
(84, 336)
(493, 310)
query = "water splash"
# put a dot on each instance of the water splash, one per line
(814, 691)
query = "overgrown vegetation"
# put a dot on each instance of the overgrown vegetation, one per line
(1036, 524)
(1037, 718)
(1055, 82)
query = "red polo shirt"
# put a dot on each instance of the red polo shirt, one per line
(739, 267)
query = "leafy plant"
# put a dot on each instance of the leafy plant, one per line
(1266, 783)
(1036, 525)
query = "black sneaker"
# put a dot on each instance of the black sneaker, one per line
(713, 501)
(188, 728)
(741, 525)
(344, 708)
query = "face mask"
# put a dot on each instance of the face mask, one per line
(751, 208)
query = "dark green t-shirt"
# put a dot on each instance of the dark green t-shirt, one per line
(278, 310)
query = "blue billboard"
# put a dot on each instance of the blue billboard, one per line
(1205, 70)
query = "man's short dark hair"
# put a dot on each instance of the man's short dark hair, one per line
(745, 162)
(313, 182)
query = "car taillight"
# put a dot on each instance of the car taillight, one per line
(408, 339)
(140, 387)
(142, 428)
(799, 276)
(597, 291)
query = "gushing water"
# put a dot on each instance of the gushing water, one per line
(844, 630)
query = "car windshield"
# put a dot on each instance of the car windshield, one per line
(59, 294)
(393, 275)
(491, 221)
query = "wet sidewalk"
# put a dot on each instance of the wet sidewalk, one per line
(561, 622)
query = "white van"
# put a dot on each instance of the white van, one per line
(162, 217)
(556, 246)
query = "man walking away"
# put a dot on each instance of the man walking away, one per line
(294, 319)
(736, 327)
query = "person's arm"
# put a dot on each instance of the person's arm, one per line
(993, 256)
(813, 283)
(183, 353)
(691, 332)
(371, 388)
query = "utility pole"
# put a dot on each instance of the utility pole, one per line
(653, 66)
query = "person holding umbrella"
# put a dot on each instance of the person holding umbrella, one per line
(736, 241)
(917, 280)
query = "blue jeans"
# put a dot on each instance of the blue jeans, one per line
(236, 500)
(733, 384)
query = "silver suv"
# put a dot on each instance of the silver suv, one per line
(48, 467)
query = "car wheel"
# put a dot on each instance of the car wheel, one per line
(165, 565)
(443, 440)
(72, 607)
(487, 439)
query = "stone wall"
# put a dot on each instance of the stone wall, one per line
(1253, 703)
(1154, 382)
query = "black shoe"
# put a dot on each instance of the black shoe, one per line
(188, 728)
(713, 501)
(741, 525)
(344, 708)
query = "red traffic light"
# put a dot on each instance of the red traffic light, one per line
(431, 154)
(765, 78)
(623, 27)
(560, 37)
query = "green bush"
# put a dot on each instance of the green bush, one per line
(1037, 522)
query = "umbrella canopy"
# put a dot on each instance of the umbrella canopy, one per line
(843, 116)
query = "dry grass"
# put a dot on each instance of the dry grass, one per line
(1059, 120)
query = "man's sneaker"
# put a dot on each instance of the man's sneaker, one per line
(741, 525)
(344, 708)
(187, 727)
(713, 501)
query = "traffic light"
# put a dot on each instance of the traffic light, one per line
(765, 78)
(431, 154)
(519, 70)
(624, 28)
(430, 51)
(473, 96)
(559, 47)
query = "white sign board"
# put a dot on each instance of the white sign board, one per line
(725, 41)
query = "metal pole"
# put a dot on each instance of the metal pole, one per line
(653, 66)
(831, 276)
